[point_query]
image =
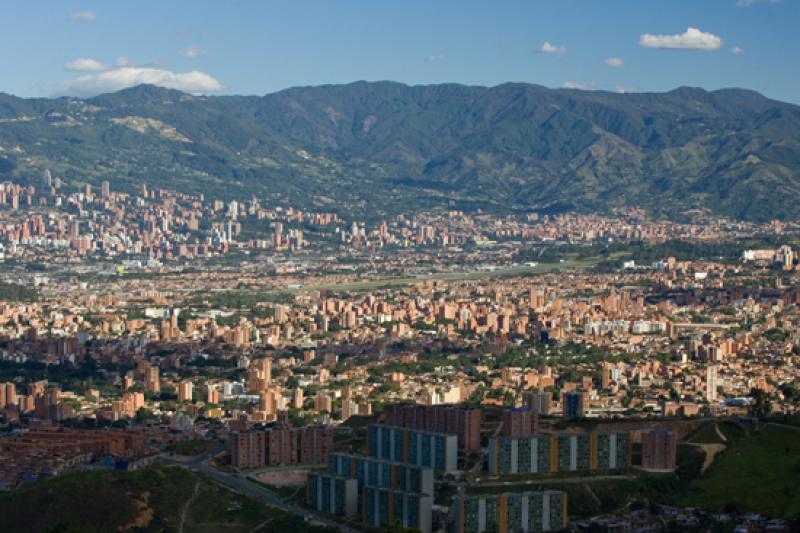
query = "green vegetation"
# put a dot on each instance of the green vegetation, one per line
(288, 493)
(707, 433)
(11, 292)
(191, 447)
(158, 498)
(76, 379)
(759, 472)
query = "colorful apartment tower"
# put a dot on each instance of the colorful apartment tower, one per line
(377, 473)
(332, 494)
(511, 512)
(386, 507)
(438, 451)
(559, 452)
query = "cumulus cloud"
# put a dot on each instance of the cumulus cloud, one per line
(748, 3)
(549, 48)
(193, 52)
(575, 85)
(736, 50)
(435, 57)
(622, 89)
(614, 62)
(85, 64)
(114, 79)
(691, 39)
(83, 16)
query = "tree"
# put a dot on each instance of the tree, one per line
(762, 405)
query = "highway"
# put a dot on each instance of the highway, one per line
(239, 483)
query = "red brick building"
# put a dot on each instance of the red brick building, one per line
(520, 423)
(452, 419)
(255, 448)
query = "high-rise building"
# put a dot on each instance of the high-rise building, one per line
(265, 366)
(559, 452)
(659, 450)
(711, 383)
(386, 507)
(377, 473)
(248, 449)
(460, 420)
(152, 380)
(297, 398)
(75, 230)
(538, 401)
(511, 512)
(185, 389)
(105, 189)
(310, 445)
(332, 494)
(572, 404)
(411, 446)
(520, 423)
(212, 396)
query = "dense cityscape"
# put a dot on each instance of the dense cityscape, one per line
(400, 267)
(461, 352)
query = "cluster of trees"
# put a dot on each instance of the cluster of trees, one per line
(12, 292)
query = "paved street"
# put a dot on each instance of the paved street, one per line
(239, 483)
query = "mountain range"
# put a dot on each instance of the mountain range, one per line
(385, 147)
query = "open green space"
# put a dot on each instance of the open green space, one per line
(191, 447)
(158, 498)
(402, 281)
(759, 473)
(246, 298)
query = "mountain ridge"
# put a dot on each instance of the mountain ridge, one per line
(387, 146)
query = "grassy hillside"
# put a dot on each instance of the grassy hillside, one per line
(389, 147)
(159, 498)
(759, 472)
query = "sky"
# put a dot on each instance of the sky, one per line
(82, 48)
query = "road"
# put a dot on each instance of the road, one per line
(554, 480)
(239, 483)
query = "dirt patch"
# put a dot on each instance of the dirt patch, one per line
(144, 513)
(711, 451)
(283, 478)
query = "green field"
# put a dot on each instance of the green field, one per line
(191, 447)
(158, 498)
(403, 281)
(759, 473)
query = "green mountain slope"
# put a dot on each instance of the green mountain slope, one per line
(386, 146)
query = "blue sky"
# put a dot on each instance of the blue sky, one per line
(256, 47)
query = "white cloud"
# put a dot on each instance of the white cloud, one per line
(737, 50)
(622, 89)
(748, 3)
(614, 62)
(193, 52)
(574, 85)
(435, 57)
(692, 39)
(85, 64)
(83, 16)
(548, 48)
(119, 78)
